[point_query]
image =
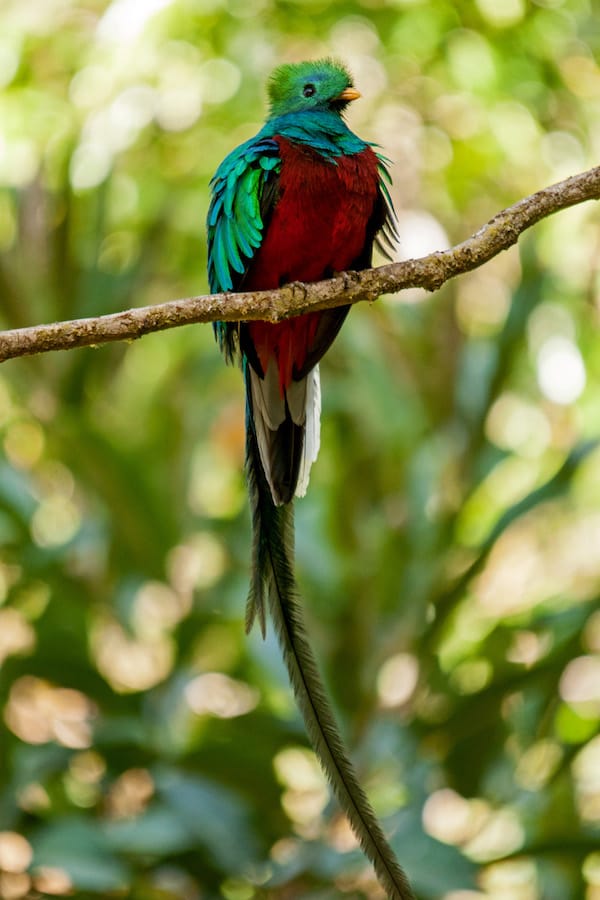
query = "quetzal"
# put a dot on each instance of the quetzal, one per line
(303, 199)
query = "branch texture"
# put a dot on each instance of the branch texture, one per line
(429, 272)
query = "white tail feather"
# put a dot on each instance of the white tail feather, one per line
(304, 404)
(267, 401)
(269, 412)
(312, 429)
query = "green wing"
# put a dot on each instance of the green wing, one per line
(243, 191)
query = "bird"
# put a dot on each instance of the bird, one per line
(302, 200)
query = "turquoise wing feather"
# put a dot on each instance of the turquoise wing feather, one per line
(236, 220)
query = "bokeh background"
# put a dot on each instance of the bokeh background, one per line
(449, 547)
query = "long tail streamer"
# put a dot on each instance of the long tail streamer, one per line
(273, 528)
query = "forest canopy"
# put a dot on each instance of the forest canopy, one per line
(448, 550)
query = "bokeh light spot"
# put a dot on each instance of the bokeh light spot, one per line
(500, 835)
(38, 712)
(14, 885)
(197, 564)
(19, 161)
(451, 818)
(129, 664)
(511, 880)
(306, 791)
(560, 370)
(90, 165)
(53, 881)
(16, 634)
(9, 59)
(586, 771)
(502, 15)
(125, 20)
(580, 684)
(220, 79)
(24, 444)
(158, 608)
(471, 61)
(538, 764)
(15, 852)
(216, 694)
(56, 521)
(397, 679)
(130, 794)
(517, 425)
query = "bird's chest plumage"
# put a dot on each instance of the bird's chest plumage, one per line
(319, 223)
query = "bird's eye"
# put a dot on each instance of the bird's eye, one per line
(309, 90)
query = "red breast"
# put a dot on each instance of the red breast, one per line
(318, 227)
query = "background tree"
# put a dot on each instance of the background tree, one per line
(449, 548)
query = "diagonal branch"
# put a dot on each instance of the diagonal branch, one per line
(429, 272)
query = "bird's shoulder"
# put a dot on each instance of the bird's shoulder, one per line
(260, 151)
(236, 212)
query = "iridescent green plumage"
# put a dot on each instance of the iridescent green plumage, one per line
(240, 198)
(329, 77)
(234, 221)
(239, 182)
(302, 199)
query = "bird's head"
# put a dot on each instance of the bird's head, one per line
(323, 84)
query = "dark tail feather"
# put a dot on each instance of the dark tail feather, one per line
(263, 511)
(273, 583)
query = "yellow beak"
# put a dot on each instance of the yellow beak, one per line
(348, 93)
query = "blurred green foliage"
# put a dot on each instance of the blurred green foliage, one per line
(449, 547)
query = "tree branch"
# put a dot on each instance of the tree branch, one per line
(429, 272)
